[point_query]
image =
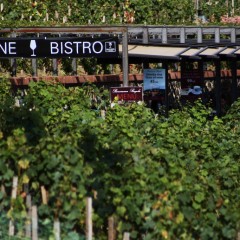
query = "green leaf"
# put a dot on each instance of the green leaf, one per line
(199, 197)
(184, 197)
(121, 210)
(189, 213)
(139, 169)
(196, 205)
(8, 175)
(179, 218)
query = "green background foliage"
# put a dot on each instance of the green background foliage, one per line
(62, 12)
(161, 178)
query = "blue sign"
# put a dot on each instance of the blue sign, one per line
(154, 79)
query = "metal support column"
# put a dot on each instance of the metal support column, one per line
(145, 63)
(165, 66)
(201, 72)
(34, 67)
(234, 85)
(218, 90)
(125, 57)
(13, 61)
(55, 67)
(74, 66)
(13, 64)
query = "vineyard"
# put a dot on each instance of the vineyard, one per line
(158, 177)
(62, 12)
(149, 175)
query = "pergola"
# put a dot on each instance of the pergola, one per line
(190, 44)
(187, 54)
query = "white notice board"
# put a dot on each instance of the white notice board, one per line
(154, 79)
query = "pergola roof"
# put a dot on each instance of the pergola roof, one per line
(155, 51)
(179, 52)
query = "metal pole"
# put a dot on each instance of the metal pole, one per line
(55, 67)
(232, 12)
(165, 66)
(197, 7)
(218, 87)
(125, 57)
(201, 72)
(34, 67)
(13, 61)
(74, 66)
(234, 86)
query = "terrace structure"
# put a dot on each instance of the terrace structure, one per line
(191, 48)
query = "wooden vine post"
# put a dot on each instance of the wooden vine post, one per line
(89, 227)
(103, 114)
(3, 191)
(34, 223)
(57, 231)
(13, 196)
(28, 231)
(111, 229)
(126, 236)
(44, 195)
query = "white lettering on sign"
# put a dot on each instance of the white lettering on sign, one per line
(12, 47)
(119, 91)
(8, 48)
(101, 47)
(77, 46)
(68, 46)
(74, 47)
(135, 91)
(86, 45)
(54, 48)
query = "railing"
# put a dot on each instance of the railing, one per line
(185, 34)
(144, 34)
(110, 79)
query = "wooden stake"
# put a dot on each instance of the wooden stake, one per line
(28, 231)
(238, 236)
(11, 228)
(3, 190)
(111, 229)
(34, 223)
(13, 196)
(44, 195)
(1, 7)
(126, 236)
(103, 114)
(89, 230)
(14, 187)
(56, 227)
